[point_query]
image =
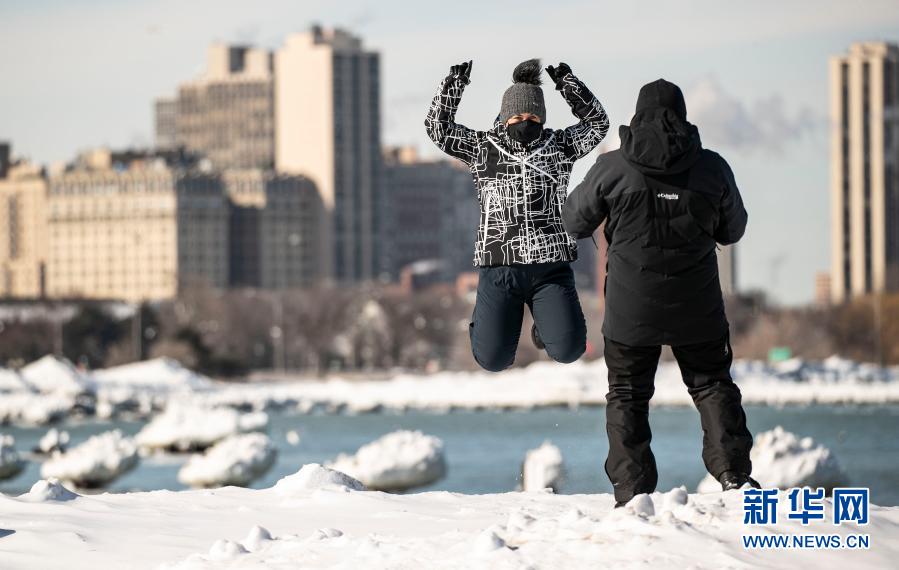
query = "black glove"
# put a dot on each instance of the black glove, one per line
(462, 71)
(558, 73)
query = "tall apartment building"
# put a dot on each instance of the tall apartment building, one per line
(274, 229)
(864, 107)
(727, 268)
(327, 127)
(226, 115)
(5, 158)
(430, 214)
(23, 241)
(135, 234)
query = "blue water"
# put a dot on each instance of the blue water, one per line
(484, 449)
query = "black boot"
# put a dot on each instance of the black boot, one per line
(734, 480)
(619, 504)
(535, 336)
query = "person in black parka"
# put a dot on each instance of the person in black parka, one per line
(666, 202)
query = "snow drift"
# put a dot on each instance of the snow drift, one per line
(322, 524)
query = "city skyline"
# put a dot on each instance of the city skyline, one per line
(758, 93)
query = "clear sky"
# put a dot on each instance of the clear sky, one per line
(81, 74)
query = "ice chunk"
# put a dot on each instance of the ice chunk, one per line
(543, 468)
(52, 374)
(236, 460)
(194, 428)
(782, 459)
(96, 462)
(53, 441)
(398, 461)
(10, 462)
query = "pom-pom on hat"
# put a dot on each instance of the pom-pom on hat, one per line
(525, 95)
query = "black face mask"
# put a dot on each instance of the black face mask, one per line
(525, 132)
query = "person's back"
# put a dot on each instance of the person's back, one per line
(666, 203)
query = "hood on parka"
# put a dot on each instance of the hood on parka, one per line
(659, 139)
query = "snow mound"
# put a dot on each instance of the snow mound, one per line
(187, 428)
(398, 461)
(543, 468)
(52, 374)
(236, 460)
(314, 476)
(95, 463)
(30, 409)
(156, 374)
(782, 459)
(10, 381)
(48, 490)
(10, 462)
(53, 441)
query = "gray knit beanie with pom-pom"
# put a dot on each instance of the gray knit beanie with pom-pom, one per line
(525, 94)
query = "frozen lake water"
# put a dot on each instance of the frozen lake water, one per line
(484, 449)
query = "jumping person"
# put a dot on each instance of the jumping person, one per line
(521, 171)
(665, 202)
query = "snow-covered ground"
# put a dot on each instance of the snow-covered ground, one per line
(543, 468)
(397, 461)
(551, 384)
(51, 389)
(95, 463)
(314, 519)
(157, 374)
(191, 428)
(782, 459)
(236, 460)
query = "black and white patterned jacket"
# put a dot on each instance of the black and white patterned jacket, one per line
(521, 188)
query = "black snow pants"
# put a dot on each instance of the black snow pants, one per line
(548, 290)
(705, 368)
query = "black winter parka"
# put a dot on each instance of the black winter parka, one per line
(665, 202)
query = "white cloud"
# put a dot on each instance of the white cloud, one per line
(765, 124)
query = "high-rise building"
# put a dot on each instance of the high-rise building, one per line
(327, 127)
(823, 293)
(864, 107)
(23, 237)
(727, 269)
(4, 159)
(166, 112)
(430, 214)
(274, 229)
(227, 114)
(135, 234)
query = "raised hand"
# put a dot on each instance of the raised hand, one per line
(462, 71)
(558, 73)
